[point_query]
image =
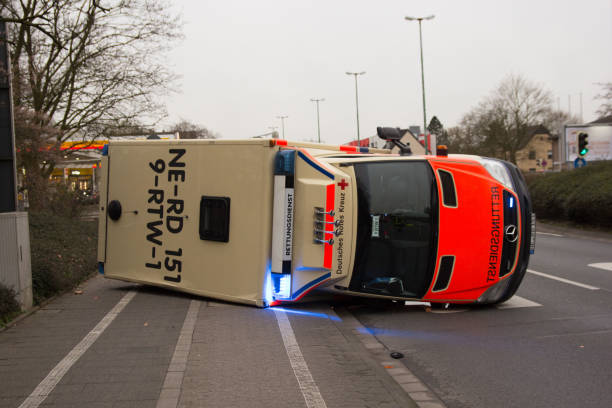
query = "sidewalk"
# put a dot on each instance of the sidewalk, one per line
(228, 356)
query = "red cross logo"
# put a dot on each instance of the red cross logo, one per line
(343, 184)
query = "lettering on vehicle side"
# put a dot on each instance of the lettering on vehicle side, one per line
(340, 236)
(166, 207)
(288, 224)
(495, 237)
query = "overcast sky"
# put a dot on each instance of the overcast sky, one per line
(243, 63)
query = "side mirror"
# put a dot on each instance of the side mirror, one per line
(388, 133)
(394, 136)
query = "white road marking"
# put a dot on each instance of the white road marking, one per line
(42, 391)
(516, 302)
(569, 282)
(309, 388)
(416, 303)
(602, 265)
(548, 233)
(586, 333)
(171, 390)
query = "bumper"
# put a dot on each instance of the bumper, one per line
(505, 289)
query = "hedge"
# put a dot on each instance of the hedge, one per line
(63, 253)
(9, 307)
(583, 195)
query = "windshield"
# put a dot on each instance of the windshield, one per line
(396, 228)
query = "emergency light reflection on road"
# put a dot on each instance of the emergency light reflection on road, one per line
(305, 313)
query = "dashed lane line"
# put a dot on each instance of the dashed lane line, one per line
(42, 391)
(569, 282)
(171, 390)
(309, 388)
(549, 233)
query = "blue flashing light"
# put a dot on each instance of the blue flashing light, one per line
(284, 163)
(101, 268)
(281, 286)
(364, 150)
(105, 150)
(511, 203)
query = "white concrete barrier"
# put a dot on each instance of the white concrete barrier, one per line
(15, 266)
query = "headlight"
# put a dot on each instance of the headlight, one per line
(498, 171)
(494, 292)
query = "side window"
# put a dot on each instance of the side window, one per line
(449, 194)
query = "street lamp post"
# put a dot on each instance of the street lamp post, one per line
(282, 118)
(274, 132)
(318, 123)
(420, 19)
(355, 74)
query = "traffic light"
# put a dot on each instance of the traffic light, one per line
(583, 141)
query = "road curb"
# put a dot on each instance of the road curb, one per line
(418, 392)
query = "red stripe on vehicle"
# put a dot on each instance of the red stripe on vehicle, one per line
(348, 148)
(329, 206)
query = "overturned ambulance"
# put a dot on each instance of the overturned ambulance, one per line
(264, 222)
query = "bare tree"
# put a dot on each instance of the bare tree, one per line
(89, 65)
(554, 120)
(38, 151)
(189, 130)
(606, 97)
(499, 124)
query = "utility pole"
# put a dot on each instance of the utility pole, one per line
(318, 123)
(282, 118)
(15, 269)
(8, 196)
(356, 74)
(420, 19)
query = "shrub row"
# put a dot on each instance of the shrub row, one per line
(581, 195)
(63, 253)
(9, 307)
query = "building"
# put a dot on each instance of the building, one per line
(80, 168)
(599, 133)
(539, 152)
(408, 138)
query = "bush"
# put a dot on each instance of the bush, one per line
(9, 307)
(64, 202)
(581, 195)
(63, 252)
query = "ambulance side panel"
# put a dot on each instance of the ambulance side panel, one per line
(162, 187)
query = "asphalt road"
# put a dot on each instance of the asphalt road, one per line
(124, 345)
(551, 346)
